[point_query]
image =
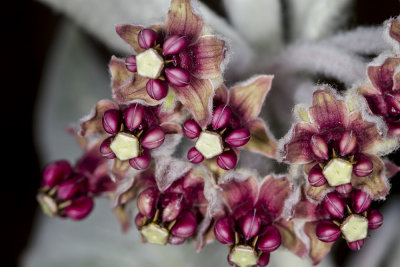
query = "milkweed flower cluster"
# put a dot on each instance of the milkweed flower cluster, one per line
(171, 90)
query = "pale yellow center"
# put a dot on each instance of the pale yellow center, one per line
(244, 256)
(209, 144)
(125, 146)
(354, 228)
(338, 172)
(149, 64)
(154, 234)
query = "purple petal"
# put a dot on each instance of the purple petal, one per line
(367, 133)
(262, 140)
(221, 96)
(289, 238)
(318, 249)
(382, 76)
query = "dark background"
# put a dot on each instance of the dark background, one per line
(27, 31)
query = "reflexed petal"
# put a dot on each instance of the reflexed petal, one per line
(129, 33)
(376, 183)
(318, 249)
(221, 96)
(92, 124)
(247, 99)
(394, 30)
(382, 76)
(298, 149)
(208, 53)
(197, 97)
(261, 140)
(169, 170)
(119, 72)
(317, 193)
(391, 169)
(367, 133)
(305, 209)
(181, 20)
(327, 111)
(374, 98)
(289, 238)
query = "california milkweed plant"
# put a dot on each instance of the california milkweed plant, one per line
(170, 140)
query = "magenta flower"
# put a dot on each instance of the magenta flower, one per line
(176, 56)
(337, 148)
(234, 124)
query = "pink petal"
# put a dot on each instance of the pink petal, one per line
(327, 111)
(197, 97)
(92, 124)
(119, 72)
(366, 132)
(382, 76)
(298, 149)
(247, 99)
(391, 169)
(394, 30)
(182, 21)
(129, 33)
(261, 141)
(318, 249)
(376, 183)
(375, 99)
(289, 238)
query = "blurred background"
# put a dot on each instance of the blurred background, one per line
(54, 71)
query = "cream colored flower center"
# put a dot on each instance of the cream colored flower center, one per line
(125, 146)
(244, 256)
(149, 64)
(154, 234)
(209, 144)
(354, 228)
(338, 172)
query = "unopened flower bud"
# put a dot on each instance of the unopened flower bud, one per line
(227, 160)
(327, 231)
(360, 201)
(334, 205)
(238, 137)
(347, 143)
(79, 208)
(76, 185)
(105, 148)
(375, 219)
(147, 38)
(356, 245)
(157, 89)
(394, 101)
(221, 116)
(194, 156)
(363, 167)
(133, 116)
(250, 225)
(147, 202)
(269, 239)
(191, 129)
(316, 177)
(319, 147)
(140, 220)
(55, 173)
(185, 225)
(263, 260)
(112, 121)
(130, 63)
(174, 44)
(344, 188)
(173, 208)
(153, 138)
(224, 230)
(175, 240)
(177, 76)
(141, 162)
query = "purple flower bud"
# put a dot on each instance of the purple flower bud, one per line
(194, 156)
(344, 188)
(224, 230)
(263, 260)
(221, 116)
(79, 208)
(112, 121)
(347, 143)
(269, 240)
(250, 225)
(174, 44)
(130, 63)
(141, 162)
(147, 38)
(363, 167)
(316, 177)
(238, 137)
(327, 231)
(105, 148)
(356, 245)
(140, 220)
(319, 147)
(185, 226)
(76, 185)
(133, 116)
(394, 101)
(147, 202)
(175, 240)
(157, 89)
(360, 201)
(191, 129)
(153, 138)
(227, 160)
(177, 76)
(375, 219)
(173, 208)
(55, 173)
(334, 205)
